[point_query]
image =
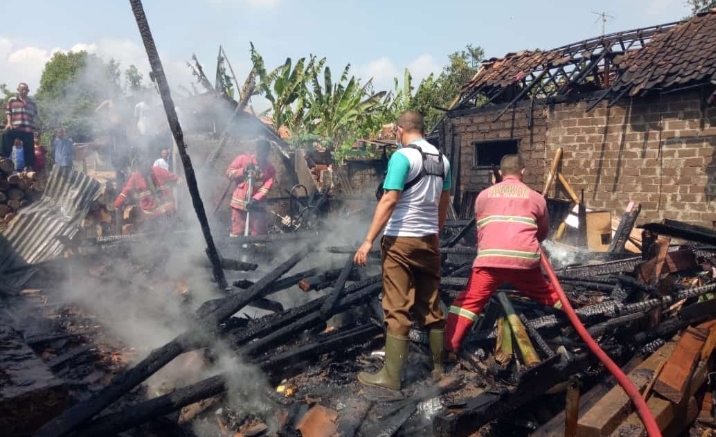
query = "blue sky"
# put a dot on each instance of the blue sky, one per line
(379, 39)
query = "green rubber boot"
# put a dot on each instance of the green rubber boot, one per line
(396, 351)
(437, 348)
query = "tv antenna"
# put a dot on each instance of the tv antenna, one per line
(603, 16)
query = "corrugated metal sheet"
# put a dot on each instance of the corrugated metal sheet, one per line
(35, 234)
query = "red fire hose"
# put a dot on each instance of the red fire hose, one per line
(652, 429)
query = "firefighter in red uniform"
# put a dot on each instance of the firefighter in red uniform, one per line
(153, 190)
(512, 221)
(263, 178)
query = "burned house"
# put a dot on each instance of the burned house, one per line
(632, 112)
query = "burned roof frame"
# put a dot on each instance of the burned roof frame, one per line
(571, 70)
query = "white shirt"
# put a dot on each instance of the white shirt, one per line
(416, 213)
(140, 111)
(161, 162)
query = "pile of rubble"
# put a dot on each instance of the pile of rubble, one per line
(653, 314)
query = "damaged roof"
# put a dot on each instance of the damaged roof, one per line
(661, 57)
(684, 55)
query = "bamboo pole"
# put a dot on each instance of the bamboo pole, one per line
(552, 172)
(524, 344)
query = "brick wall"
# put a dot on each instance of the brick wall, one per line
(657, 151)
(514, 124)
(364, 175)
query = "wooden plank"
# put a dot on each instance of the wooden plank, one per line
(674, 380)
(671, 418)
(555, 427)
(604, 417)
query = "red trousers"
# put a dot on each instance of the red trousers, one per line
(257, 223)
(482, 283)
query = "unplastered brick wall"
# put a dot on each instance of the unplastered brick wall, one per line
(513, 125)
(365, 174)
(656, 151)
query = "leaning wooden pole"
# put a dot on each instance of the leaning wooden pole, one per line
(191, 182)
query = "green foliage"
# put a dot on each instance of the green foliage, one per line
(133, 78)
(286, 87)
(5, 94)
(305, 97)
(443, 90)
(71, 86)
(699, 6)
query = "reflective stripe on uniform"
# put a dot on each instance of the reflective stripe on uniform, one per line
(462, 312)
(507, 219)
(508, 254)
(263, 190)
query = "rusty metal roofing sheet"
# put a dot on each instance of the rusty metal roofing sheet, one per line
(32, 236)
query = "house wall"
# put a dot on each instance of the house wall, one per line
(656, 151)
(515, 125)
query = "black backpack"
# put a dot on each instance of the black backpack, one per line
(429, 168)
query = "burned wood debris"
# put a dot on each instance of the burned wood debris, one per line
(292, 371)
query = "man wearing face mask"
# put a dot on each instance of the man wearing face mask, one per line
(412, 209)
(20, 114)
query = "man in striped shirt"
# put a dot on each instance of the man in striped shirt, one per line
(20, 114)
(511, 221)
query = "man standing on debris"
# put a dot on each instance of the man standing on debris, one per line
(412, 208)
(20, 113)
(511, 222)
(263, 173)
(153, 189)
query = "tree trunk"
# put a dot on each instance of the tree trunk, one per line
(168, 102)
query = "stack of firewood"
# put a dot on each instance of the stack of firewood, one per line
(17, 190)
(103, 220)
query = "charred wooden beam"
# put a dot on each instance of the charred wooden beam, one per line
(67, 357)
(490, 405)
(329, 304)
(235, 265)
(626, 224)
(391, 422)
(283, 283)
(353, 297)
(175, 127)
(158, 358)
(267, 305)
(138, 414)
(606, 268)
(457, 237)
(677, 229)
(319, 346)
(323, 280)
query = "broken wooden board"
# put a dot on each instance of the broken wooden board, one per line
(674, 381)
(30, 394)
(671, 418)
(606, 415)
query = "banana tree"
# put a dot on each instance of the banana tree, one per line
(285, 87)
(337, 109)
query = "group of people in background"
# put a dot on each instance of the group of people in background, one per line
(21, 142)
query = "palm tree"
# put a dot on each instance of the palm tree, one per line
(336, 109)
(285, 87)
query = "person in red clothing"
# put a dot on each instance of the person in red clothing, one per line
(153, 190)
(511, 221)
(241, 201)
(40, 153)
